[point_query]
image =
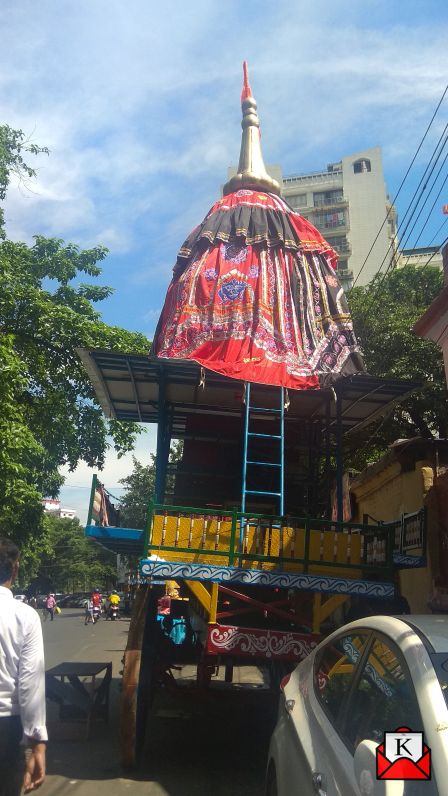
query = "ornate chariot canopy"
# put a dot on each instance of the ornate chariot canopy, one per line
(254, 294)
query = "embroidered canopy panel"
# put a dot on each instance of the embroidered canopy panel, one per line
(255, 296)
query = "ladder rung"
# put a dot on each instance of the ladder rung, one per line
(267, 436)
(257, 492)
(263, 409)
(265, 464)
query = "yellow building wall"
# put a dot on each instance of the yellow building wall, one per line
(385, 496)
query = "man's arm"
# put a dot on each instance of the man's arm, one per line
(31, 686)
(34, 767)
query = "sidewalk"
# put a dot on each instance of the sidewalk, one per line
(196, 746)
(88, 767)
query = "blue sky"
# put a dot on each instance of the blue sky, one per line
(139, 104)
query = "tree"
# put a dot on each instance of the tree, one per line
(384, 313)
(71, 561)
(49, 414)
(13, 145)
(139, 486)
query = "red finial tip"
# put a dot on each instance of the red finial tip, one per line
(247, 91)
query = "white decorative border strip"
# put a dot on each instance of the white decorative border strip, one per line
(409, 562)
(256, 577)
(262, 643)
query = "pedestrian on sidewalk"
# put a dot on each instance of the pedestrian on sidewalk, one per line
(50, 605)
(22, 685)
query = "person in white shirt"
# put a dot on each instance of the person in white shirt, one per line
(22, 685)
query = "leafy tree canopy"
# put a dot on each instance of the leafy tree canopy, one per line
(384, 313)
(13, 147)
(50, 416)
(139, 488)
(70, 561)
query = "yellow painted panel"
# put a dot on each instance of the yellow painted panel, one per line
(207, 533)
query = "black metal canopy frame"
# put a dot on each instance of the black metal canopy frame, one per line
(146, 389)
(131, 387)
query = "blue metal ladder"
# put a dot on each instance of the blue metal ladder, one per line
(278, 441)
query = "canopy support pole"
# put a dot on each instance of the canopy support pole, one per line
(163, 444)
(339, 459)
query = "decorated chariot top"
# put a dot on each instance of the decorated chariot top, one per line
(254, 294)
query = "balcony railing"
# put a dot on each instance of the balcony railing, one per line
(258, 541)
(341, 248)
(326, 202)
(181, 533)
(321, 176)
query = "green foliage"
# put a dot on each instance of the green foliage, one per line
(49, 413)
(384, 314)
(140, 486)
(13, 145)
(68, 560)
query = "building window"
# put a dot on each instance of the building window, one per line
(384, 690)
(298, 200)
(339, 244)
(328, 197)
(330, 220)
(334, 672)
(362, 165)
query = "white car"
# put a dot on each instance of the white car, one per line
(372, 676)
(21, 597)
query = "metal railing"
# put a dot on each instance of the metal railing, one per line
(102, 511)
(232, 537)
(246, 539)
(329, 202)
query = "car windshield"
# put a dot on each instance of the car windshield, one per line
(440, 663)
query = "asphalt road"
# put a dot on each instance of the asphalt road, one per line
(217, 745)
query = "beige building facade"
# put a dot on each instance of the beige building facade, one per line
(348, 203)
(412, 475)
(423, 256)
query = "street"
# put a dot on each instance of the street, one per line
(217, 747)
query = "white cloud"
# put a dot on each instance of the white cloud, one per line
(125, 100)
(76, 490)
(128, 102)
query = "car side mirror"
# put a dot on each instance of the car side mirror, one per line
(365, 773)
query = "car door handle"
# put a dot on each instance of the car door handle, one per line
(319, 784)
(289, 706)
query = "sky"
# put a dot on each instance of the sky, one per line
(138, 103)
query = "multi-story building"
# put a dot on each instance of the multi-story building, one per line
(425, 255)
(53, 506)
(348, 203)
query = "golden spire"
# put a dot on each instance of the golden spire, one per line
(252, 172)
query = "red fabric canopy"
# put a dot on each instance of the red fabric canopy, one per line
(255, 296)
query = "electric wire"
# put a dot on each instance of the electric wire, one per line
(427, 218)
(431, 209)
(438, 249)
(423, 184)
(418, 194)
(437, 232)
(424, 180)
(402, 183)
(427, 177)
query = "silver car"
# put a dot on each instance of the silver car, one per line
(374, 676)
